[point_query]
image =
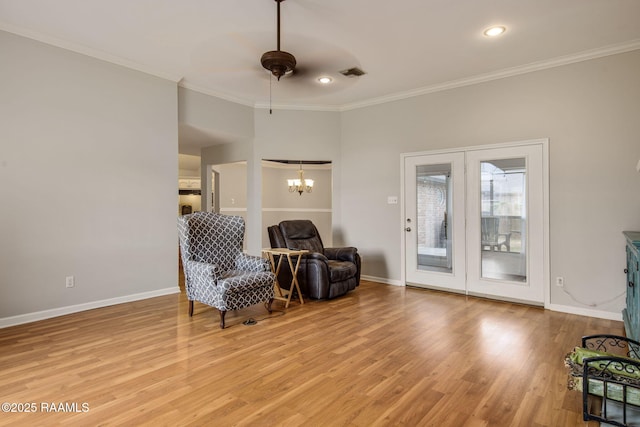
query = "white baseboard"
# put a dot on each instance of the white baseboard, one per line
(61, 311)
(585, 312)
(599, 314)
(382, 280)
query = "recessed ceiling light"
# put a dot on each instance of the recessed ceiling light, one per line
(494, 31)
(325, 80)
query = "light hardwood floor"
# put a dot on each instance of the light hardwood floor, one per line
(381, 355)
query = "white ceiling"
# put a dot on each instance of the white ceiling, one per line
(406, 47)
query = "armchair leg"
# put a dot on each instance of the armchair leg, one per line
(222, 313)
(268, 305)
(190, 308)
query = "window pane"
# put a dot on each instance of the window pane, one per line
(503, 219)
(433, 217)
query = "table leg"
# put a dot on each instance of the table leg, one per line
(275, 269)
(294, 281)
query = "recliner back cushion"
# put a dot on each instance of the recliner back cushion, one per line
(301, 234)
(275, 237)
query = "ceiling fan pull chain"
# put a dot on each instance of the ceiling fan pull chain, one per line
(270, 81)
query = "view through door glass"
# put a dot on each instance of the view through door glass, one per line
(433, 189)
(503, 219)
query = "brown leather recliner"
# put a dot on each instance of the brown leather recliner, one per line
(324, 273)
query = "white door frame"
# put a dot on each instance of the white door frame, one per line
(544, 142)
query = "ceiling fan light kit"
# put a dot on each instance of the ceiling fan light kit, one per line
(278, 62)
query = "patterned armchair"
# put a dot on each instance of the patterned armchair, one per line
(216, 271)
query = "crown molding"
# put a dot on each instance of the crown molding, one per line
(257, 105)
(501, 74)
(482, 78)
(87, 51)
(300, 107)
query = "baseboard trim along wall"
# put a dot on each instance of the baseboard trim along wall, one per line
(585, 312)
(55, 312)
(381, 280)
(598, 314)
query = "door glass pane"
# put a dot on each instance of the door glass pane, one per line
(503, 219)
(433, 185)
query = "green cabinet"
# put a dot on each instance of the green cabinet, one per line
(631, 314)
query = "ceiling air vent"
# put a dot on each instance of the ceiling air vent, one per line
(353, 72)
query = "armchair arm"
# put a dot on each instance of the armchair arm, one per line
(246, 262)
(201, 272)
(342, 254)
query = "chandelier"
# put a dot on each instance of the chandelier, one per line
(301, 184)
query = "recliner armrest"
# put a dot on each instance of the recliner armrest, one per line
(342, 254)
(316, 255)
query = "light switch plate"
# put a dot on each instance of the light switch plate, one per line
(392, 200)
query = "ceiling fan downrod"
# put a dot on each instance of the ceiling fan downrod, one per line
(278, 25)
(278, 62)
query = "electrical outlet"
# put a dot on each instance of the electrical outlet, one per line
(70, 282)
(560, 281)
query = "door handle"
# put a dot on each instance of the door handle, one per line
(407, 229)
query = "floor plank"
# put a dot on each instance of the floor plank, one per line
(381, 355)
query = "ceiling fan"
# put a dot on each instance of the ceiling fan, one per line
(234, 63)
(278, 62)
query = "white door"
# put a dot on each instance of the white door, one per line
(475, 221)
(434, 220)
(505, 223)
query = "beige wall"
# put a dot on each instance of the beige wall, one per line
(88, 182)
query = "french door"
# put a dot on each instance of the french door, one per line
(434, 221)
(474, 221)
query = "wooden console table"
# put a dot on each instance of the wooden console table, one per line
(288, 254)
